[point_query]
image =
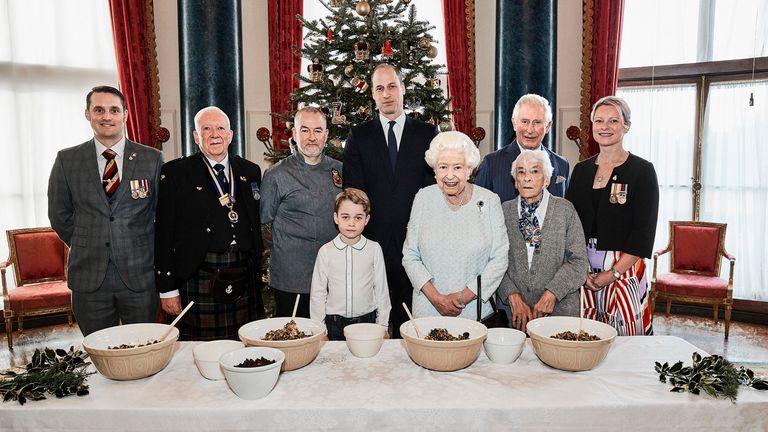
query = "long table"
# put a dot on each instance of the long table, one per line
(389, 392)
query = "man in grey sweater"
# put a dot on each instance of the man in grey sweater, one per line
(297, 200)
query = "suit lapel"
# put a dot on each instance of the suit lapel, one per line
(200, 182)
(129, 165)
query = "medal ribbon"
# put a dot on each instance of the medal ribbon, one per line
(219, 187)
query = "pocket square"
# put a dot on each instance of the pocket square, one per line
(559, 179)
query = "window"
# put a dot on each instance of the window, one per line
(52, 52)
(695, 73)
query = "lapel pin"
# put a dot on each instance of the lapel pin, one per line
(242, 178)
(162, 176)
(133, 155)
(614, 178)
(199, 188)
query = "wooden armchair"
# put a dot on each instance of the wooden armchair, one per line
(39, 260)
(696, 249)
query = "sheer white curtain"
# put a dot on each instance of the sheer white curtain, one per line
(735, 185)
(52, 52)
(662, 131)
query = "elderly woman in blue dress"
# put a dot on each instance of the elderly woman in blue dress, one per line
(456, 232)
(547, 259)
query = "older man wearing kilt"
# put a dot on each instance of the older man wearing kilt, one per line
(208, 240)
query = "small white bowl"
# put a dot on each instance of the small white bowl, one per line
(364, 339)
(207, 355)
(251, 382)
(504, 345)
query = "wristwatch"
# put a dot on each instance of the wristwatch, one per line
(615, 273)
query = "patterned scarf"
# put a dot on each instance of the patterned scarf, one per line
(529, 223)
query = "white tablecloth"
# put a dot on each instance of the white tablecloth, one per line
(389, 392)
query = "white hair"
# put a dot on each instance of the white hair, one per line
(207, 110)
(453, 141)
(538, 155)
(533, 99)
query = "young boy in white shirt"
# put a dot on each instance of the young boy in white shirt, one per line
(349, 282)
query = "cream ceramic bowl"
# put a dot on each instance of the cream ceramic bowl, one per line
(364, 339)
(299, 352)
(130, 363)
(251, 382)
(207, 355)
(570, 355)
(504, 345)
(443, 356)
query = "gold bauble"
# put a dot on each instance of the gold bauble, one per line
(424, 43)
(363, 8)
(432, 52)
(446, 126)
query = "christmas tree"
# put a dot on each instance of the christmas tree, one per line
(346, 46)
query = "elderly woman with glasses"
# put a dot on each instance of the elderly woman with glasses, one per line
(455, 234)
(547, 259)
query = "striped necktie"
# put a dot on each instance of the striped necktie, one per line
(111, 178)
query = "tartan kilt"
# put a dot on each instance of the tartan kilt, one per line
(208, 320)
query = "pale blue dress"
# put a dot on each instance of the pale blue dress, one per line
(451, 247)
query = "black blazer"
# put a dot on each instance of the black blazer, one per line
(629, 227)
(189, 217)
(367, 167)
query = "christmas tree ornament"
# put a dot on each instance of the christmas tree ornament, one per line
(337, 118)
(445, 126)
(363, 8)
(359, 84)
(432, 52)
(349, 71)
(336, 142)
(361, 50)
(386, 50)
(329, 35)
(289, 125)
(316, 71)
(335, 3)
(363, 110)
(433, 83)
(424, 43)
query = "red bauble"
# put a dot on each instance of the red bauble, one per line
(386, 51)
(329, 35)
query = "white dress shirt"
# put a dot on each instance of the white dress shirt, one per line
(399, 125)
(541, 212)
(350, 280)
(118, 148)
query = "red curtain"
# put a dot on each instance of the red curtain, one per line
(459, 19)
(600, 65)
(284, 32)
(133, 26)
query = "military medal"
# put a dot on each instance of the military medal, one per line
(226, 198)
(139, 188)
(622, 194)
(614, 193)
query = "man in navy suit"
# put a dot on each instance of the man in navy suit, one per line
(385, 158)
(531, 119)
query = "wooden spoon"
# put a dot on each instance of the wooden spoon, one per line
(415, 327)
(173, 324)
(295, 306)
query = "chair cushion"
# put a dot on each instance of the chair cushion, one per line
(696, 248)
(40, 296)
(692, 285)
(39, 255)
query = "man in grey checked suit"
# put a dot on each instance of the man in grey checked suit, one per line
(101, 203)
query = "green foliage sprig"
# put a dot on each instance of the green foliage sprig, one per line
(713, 374)
(57, 372)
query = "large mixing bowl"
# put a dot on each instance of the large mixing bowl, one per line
(443, 356)
(298, 352)
(130, 363)
(565, 354)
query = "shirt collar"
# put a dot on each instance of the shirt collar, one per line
(224, 162)
(521, 147)
(340, 245)
(400, 121)
(118, 148)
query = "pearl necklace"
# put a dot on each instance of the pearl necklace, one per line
(462, 196)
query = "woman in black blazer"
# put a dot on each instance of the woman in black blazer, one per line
(616, 195)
